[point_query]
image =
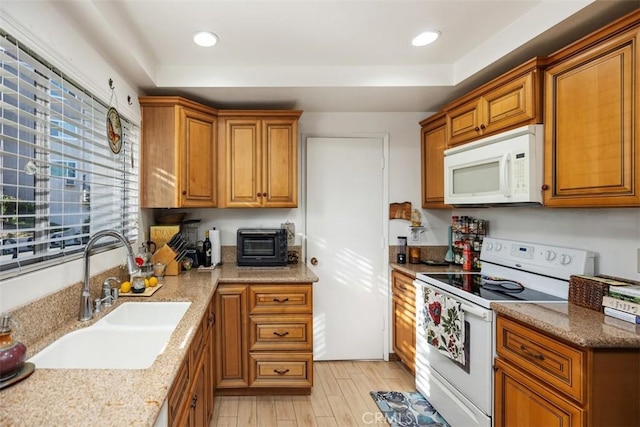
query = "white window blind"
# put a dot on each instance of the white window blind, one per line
(61, 182)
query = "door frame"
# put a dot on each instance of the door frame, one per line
(385, 292)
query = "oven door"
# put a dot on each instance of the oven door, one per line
(468, 399)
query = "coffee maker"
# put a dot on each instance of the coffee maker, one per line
(194, 246)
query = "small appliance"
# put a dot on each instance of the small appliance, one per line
(262, 247)
(497, 170)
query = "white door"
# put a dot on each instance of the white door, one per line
(345, 231)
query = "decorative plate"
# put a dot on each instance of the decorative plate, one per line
(114, 130)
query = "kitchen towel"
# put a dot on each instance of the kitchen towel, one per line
(442, 324)
(214, 237)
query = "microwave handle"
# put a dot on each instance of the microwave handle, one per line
(504, 177)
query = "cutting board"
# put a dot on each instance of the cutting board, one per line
(147, 292)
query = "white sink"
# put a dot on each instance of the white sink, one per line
(130, 337)
(146, 314)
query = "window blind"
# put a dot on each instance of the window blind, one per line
(61, 182)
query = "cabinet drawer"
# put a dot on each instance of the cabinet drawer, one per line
(280, 299)
(403, 287)
(546, 358)
(281, 370)
(281, 333)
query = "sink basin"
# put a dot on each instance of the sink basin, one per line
(95, 348)
(146, 314)
(130, 337)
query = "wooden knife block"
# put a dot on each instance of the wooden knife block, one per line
(167, 256)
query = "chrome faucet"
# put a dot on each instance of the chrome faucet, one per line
(86, 310)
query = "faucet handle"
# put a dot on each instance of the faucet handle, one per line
(108, 280)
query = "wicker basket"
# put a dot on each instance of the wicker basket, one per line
(587, 292)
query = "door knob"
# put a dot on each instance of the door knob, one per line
(314, 261)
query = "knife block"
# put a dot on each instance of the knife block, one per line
(167, 256)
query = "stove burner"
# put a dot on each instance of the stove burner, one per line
(491, 288)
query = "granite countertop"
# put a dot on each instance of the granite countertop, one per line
(413, 269)
(126, 397)
(578, 325)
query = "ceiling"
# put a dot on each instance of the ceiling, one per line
(329, 55)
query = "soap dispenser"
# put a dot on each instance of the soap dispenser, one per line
(12, 353)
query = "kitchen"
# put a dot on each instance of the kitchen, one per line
(611, 233)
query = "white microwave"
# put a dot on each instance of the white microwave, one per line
(501, 169)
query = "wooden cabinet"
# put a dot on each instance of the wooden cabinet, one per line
(264, 338)
(178, 153)
(541, 380)
(433, 143)
(191, 397)
(511, 100)
(258, 155)
(403, 318)
(592, 120)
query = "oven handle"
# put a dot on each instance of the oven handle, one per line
(478, 312)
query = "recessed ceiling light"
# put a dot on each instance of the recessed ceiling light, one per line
(205, 38)
(425, 38)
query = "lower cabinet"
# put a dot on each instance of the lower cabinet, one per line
(191, 397)
(264, 338)
(542, 380)
(404, 318)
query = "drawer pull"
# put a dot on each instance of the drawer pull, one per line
(194, 401)
(281, 334)
(280, 372)
(280, 300)
(530, 354)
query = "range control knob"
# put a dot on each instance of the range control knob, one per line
(498, 246)
(488, 246)
(551, 255)
(565, 259)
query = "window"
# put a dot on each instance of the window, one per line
(61, 182)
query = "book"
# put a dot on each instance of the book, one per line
(632, 290)
(618, 304)
(627, 317)
(617, 295)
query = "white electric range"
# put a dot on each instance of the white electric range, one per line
(512, 271)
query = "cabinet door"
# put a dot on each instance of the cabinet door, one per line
(434, 142)
(592, 145)
(521, 401)
(242, 178)
(511, 104)
(404, 332)
(464, 121)
(198, 179)
(231, 336)
(279, 163)
(198, 403)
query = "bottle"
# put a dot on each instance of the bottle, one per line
(12, 353)
(466, 258)
(206, 248)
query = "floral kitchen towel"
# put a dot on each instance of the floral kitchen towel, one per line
(441, 324)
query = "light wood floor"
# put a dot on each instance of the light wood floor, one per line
(340, 397)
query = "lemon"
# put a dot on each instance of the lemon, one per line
(125, 287)
(146, 283)
(153, 281)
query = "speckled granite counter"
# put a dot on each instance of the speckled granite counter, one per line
(575, 324)
(125, 397)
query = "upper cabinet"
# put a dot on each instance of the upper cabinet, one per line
(433, 143)
(258, 159)
(592, 116)
(511, 100)
(178, 153)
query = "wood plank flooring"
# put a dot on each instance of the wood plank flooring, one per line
(340, 398)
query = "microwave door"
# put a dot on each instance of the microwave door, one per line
(477, 181)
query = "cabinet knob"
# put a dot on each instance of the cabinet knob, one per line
(184, 192)
(264, 194)
(258, 194)
(477, 129)
(545, 187)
